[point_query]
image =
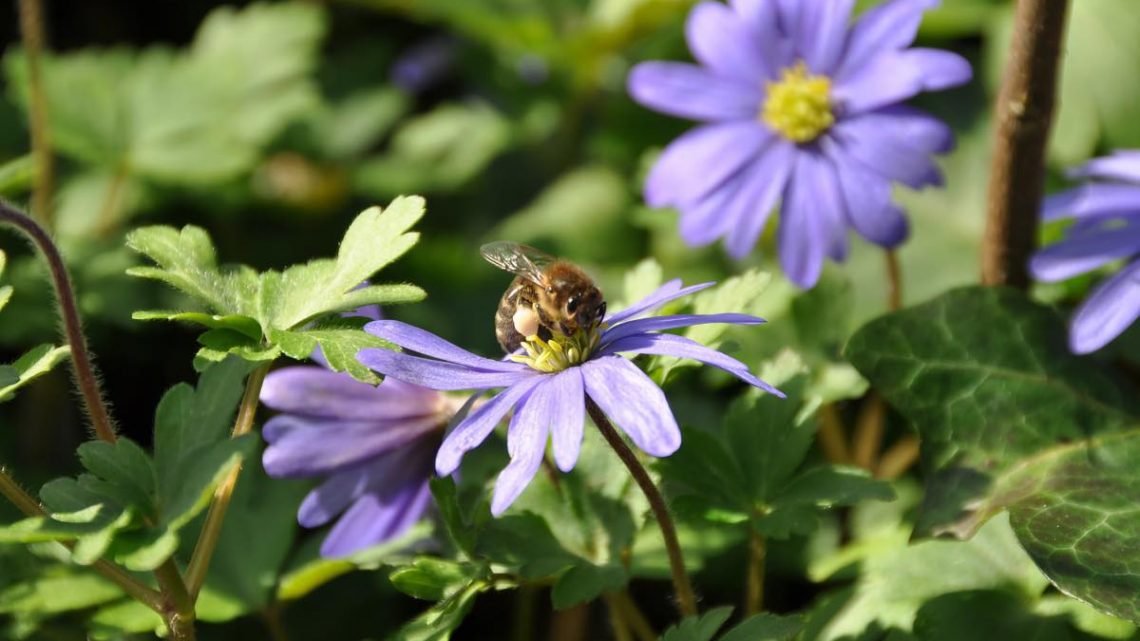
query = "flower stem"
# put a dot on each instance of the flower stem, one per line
(178, 605)
(898, 458)
(634, 617)
(754, 592)
(1024, 116)
(129, 584)
(894, 281)
(212, 529)
(617, 619)
(832, 436)
(85, 378)
(869, 428)
(32, 33)
(686, 600)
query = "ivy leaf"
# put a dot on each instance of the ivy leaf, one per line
(34, 363)
(1010, 420)
(990, 615)
(376, 238)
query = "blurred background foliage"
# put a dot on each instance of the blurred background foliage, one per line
(272, 124)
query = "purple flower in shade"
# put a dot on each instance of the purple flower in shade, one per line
(372, 445)
(1106, 228)
(801, 107)
(547, 387)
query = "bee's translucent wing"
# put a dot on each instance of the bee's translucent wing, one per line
(520, 260)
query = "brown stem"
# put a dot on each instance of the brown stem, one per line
(617, 619)
(634, 617)
(571, 624)
(754, 593)
(894, 281)
(526, 607)
(85, 378)
(27, 504)
(212, 528)
(178, 605)
(274, 622)
(869, 432)
(832, 436)
(32, 33)
(686, 599)
(898, 458)
(1024, 116)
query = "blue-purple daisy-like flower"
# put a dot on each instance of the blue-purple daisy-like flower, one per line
(1106, 228)
(372, 445)
(549, 401)
(801, 107)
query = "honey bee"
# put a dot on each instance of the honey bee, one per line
(548, 295)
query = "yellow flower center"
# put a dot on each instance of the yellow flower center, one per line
(560, 352)
(798, 106)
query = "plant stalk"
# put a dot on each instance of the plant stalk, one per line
(754, 589)
(178, 605)
(1024, 116)
(686, 599)
(894, 281)
(85, 377)
(212, 528)
(634, 617)
(32, 34)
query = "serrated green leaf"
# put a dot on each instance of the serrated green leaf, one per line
(699, 628)
(438, 622)
(339, 342)
(434, 579)
(34, 363)
(124, 468)
(219, 343)
(242, 324)
(765, 627)
(16, 175)
(525, 543)
(376, 238)
(57, 591)
(355, 124)
(1011, 420)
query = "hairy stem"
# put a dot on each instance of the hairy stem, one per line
(754, 588)
(212, 529)
(686, 599)
(32, 34)
(178, 605)
(85, 378)
(138, 590)
(1024, 116)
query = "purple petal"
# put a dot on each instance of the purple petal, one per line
(299, 446)
(1121, 165)
(668, 292)
(1092, 200)
(701, 160)
(682, 347)
(763, 20)
(823, 33)
(378, 517)
(868, 203)
(752, 207)
(1111, 308)
(335, 493)
(724, 43)
(830, 207)
(689, 91)
(633, 402)
(802, 238)
(661, 323)
(526, 442)
(889, 26)
(879, 149)
(568, 417)
(414, 339)
(894, 77)
(318, 392)
(1084, 252)
(475, 428)
(790, 16)
(704, 221)
(914, 128)
(437, 375)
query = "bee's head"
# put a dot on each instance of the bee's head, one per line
(583, 307)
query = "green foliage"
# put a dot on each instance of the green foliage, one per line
(32, 364)
(16, 175)
(130, 506)
(1011, 421)
(253, 315)
(762, 627)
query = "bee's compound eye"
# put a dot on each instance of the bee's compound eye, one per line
(572, 305)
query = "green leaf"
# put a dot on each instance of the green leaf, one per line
(352, 126)
(1011, 420)
(699, 628)
(124, 470)
(989, 615)
(339, 342)
(434, 579)
(187, 261)
(376, 238)
(459, 529)
(765, 627)
(438, 622)
(34, 363)
(585, 582)
(16, 175)
(244, 325)
(56, 591)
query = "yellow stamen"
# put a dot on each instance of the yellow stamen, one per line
(560, 352)
(798, 106)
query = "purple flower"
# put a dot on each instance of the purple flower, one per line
(801, 107)
(548, 390)
(372, 445)
(1106, 228)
